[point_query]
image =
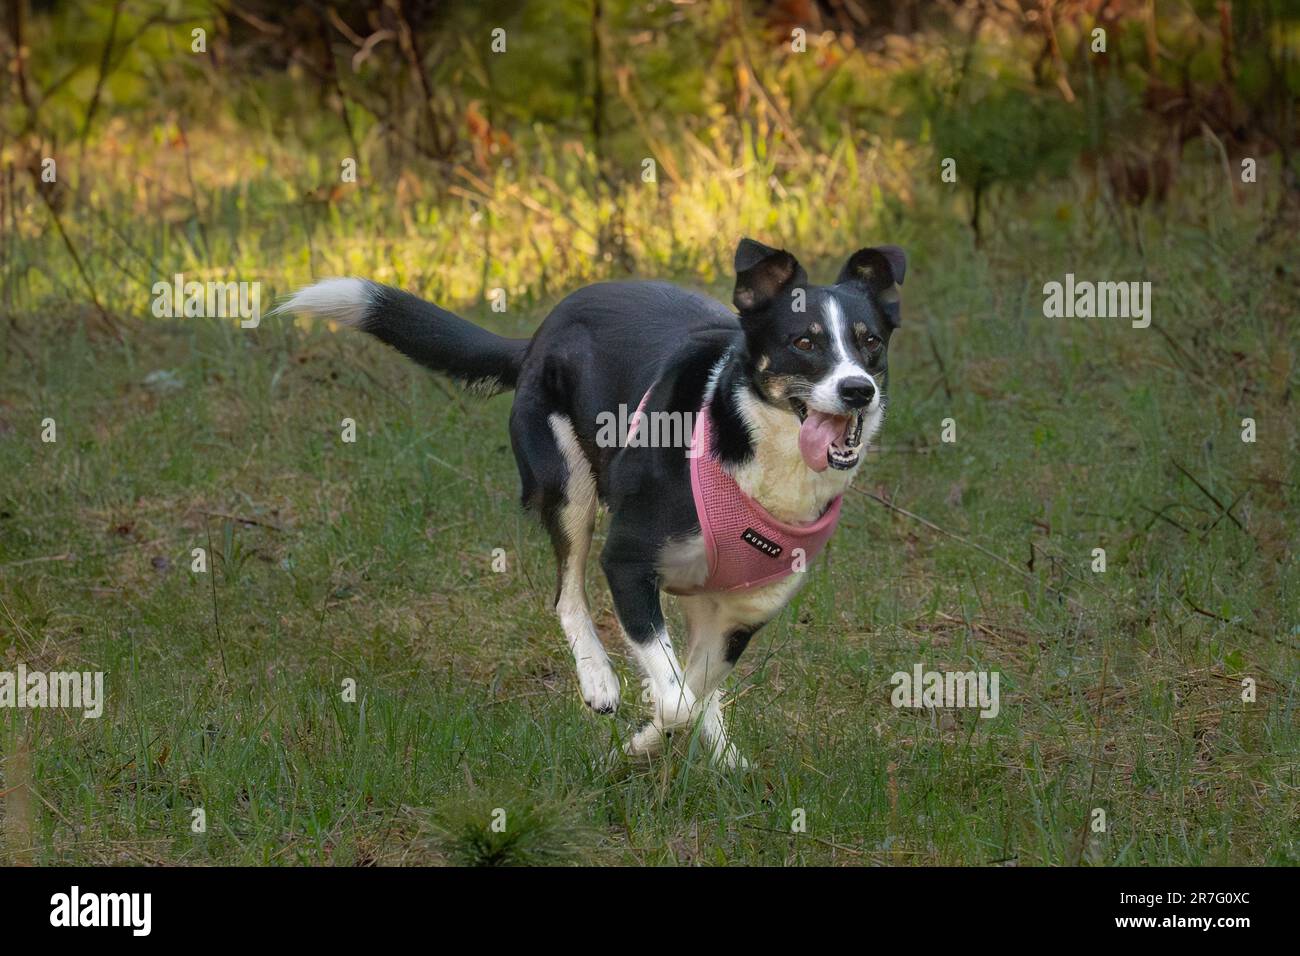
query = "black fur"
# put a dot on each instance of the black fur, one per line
(442, 341)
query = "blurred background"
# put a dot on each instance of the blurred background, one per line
(518, 159)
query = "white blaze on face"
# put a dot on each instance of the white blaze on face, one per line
(826, 393)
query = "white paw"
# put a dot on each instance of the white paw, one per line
(676, 709)
(645, 742)
(599, 684)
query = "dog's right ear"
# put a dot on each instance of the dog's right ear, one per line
(761, 274)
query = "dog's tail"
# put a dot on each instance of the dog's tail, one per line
(419, 330)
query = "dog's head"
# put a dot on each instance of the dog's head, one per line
(821, 351)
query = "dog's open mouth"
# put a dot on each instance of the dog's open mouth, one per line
(828, 441)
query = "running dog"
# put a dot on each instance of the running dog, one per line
(784, 394)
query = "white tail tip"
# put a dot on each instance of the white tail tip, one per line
(343, 300)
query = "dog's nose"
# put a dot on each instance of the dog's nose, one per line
(857, 392)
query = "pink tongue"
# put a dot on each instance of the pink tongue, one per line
(816, 435)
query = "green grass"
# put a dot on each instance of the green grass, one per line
(372, 561)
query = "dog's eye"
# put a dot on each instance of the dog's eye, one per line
(873, 343)
(803, 343)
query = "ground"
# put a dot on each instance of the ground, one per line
(372, 562)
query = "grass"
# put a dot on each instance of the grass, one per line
(372, 562)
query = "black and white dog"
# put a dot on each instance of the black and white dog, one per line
(795, 385)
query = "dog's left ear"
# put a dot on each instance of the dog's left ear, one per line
(880, 270)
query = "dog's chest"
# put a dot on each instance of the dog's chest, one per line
(760, 604)
(776, 475)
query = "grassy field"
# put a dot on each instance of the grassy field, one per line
(372, 561)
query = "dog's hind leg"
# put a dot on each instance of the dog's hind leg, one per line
(558, 482)
(575, 521)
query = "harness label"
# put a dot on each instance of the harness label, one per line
(756, 540)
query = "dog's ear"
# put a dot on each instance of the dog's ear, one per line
(877, 267)
(879, 270)
(762, 273)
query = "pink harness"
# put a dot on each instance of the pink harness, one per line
(745, 545)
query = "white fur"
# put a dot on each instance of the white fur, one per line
(673, 700)
(596, 676)
(683, 563)
(826, 394)
(776, 476)
(343, 300)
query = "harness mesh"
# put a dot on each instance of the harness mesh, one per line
(728, 517)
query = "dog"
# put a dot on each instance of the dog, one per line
(785, 393)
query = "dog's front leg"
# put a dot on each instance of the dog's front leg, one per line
(635, 589)
(711, 657)
(721, 627)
